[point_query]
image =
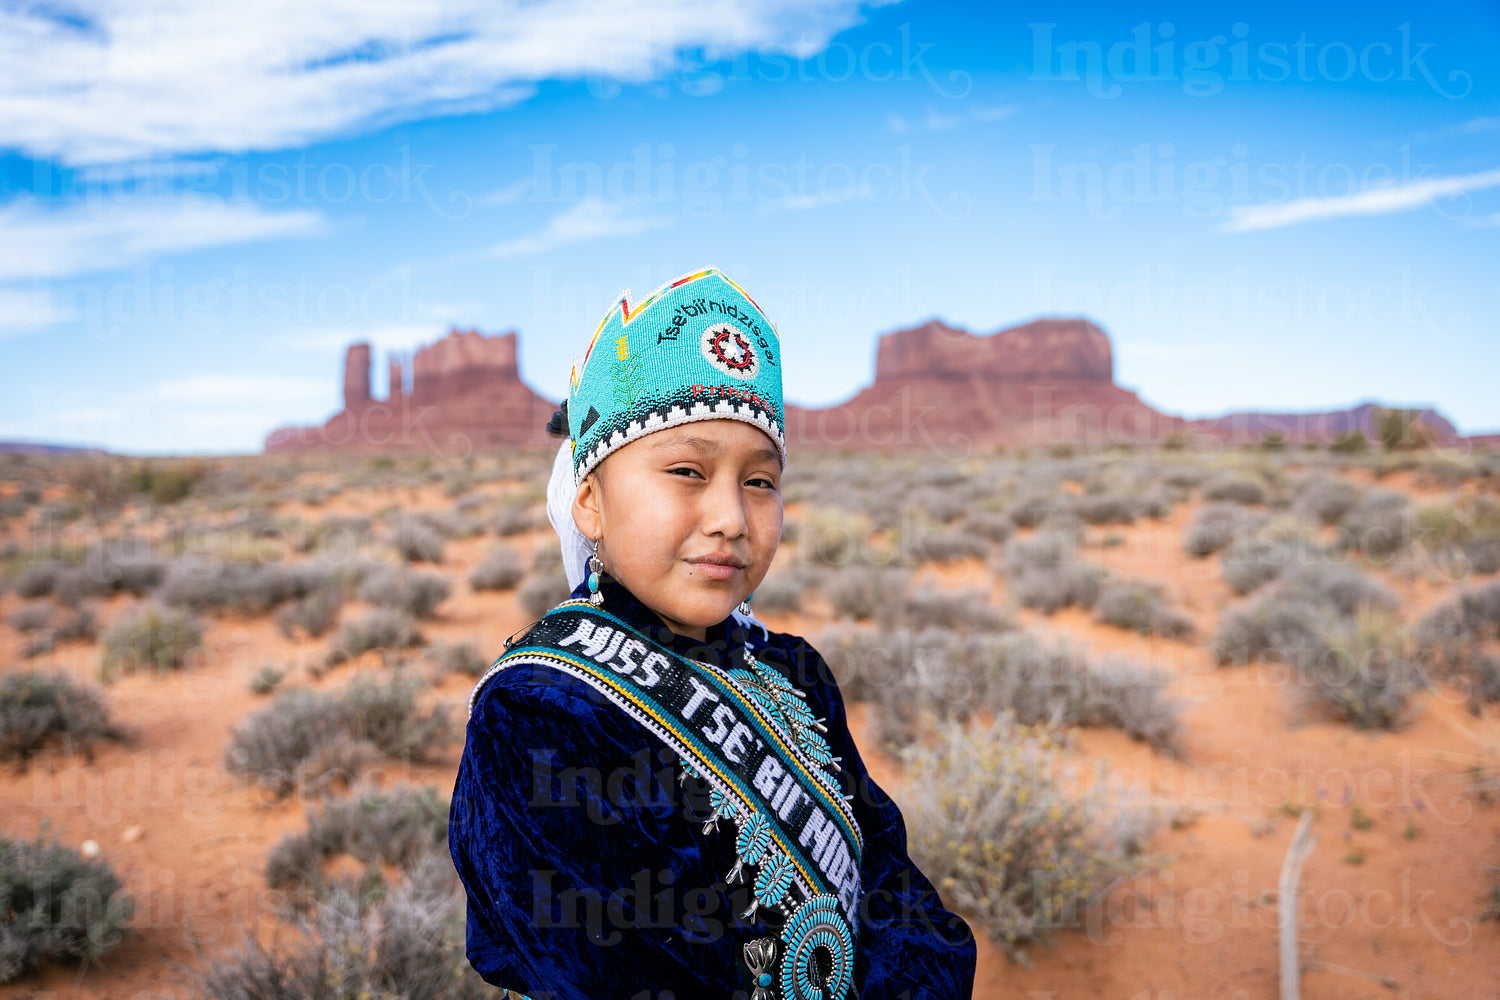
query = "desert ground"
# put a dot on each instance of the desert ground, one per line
(1219, 760)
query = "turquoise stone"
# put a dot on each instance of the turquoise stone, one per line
(764, 980)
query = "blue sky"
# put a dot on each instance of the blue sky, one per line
(1265, 209)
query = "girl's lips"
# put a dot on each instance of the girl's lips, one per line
(714, 570)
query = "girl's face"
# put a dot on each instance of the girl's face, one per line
(690, 518)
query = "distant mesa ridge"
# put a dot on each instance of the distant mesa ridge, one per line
(459, 394)
(1047, 381)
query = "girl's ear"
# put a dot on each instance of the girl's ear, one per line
(586, 508)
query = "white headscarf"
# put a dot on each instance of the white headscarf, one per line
(576, 546)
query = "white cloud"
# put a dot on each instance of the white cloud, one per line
(589, 219)
(816, 199)
(933, 120)
(505, 195)
(121, 80)
(25, 311)
(97, 234)
(1379, 200)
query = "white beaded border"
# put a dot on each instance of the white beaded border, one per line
(675, 415)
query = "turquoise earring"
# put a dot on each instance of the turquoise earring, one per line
(595, 568)
(744, 608)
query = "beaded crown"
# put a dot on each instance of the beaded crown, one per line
(698, 348)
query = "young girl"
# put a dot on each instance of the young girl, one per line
(659, 797)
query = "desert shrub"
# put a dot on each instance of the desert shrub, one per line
(948, 545)
(42, 709)
(501, 569)
(151, 637)
(69, 584)
(378, 628)
(1213, 527)
(336, 534)
(458, 657)
(30, 616)
(1048, 589)
(867, 592)
(1183, 479)
(1049, 547)
(1364, 672)
(417, 540)
(989, 526)
(416, 593)
(829, 536)
(36, 581)
(376, 828)
(1141, 607)
(543, 592)
(1273, 627)
(1465, 533)
(783, 592)
(1236, 487)
(942, 505)
(128, 564)
(75, 624)
(311, 739)
(999, 823)
(56, 906)
(46, 631)
(314, 614)
(74, 583)
(1450, 639)
(1109, 508)
(267, 678)
(912, 677)
(1340, 587)
(936, 607)
(1036, 507)
(1251, 561)
(408, 943)
(1379, 526)
(514, 519)
(1325, 498)
(203, 582)
(547, 555)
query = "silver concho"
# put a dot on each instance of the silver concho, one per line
(817, 951)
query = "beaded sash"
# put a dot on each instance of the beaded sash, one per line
(746, 732)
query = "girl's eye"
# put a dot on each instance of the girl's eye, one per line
(685, 470)
(762, 482)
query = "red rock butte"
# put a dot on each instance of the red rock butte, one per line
(462, 394)
(1049, 381)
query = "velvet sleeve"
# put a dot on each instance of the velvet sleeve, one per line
(910, 946)
(584, 878)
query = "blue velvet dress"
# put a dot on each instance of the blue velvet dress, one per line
(588, 870)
